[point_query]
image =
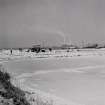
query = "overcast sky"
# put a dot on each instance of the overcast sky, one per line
(28, 22)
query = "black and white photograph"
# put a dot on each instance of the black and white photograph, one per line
(52, 52)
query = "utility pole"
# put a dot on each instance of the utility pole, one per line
(83, 44)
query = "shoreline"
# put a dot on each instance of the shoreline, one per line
(42, 57)
(47, 97)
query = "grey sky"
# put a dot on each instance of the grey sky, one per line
(27, 22)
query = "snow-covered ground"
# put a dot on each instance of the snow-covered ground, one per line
(73, 77)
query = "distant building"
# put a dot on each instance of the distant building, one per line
(66, 46)
(36, 48)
